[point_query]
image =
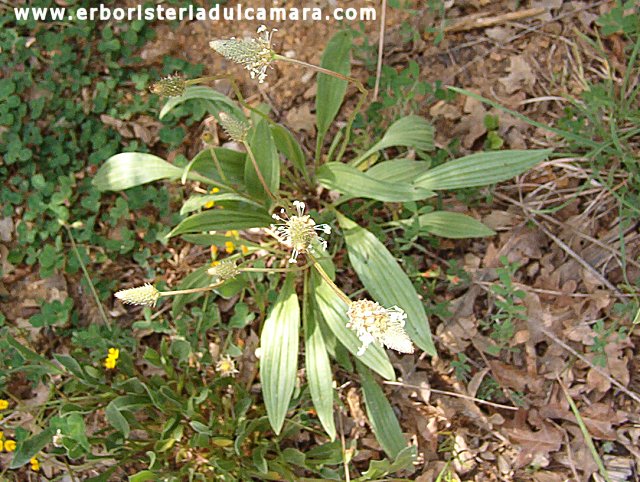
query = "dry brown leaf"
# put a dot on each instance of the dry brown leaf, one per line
(520, 75)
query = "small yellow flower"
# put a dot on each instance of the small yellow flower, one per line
(10, 445)
(229, 247)
(1, 445)
(210, 204)
(35, 465)
(235, 234)
(112, 358)
(4, 404)
(214, 251)
(244, 249)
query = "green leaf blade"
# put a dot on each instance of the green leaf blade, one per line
(218, 101)
(351, 182)
(481, 169)
(380, 413)
(279, 361)
(410, 131)
(318, 368)
(263, 146)
(222, 220)
(331, 90)
(453, 225)
(130, 169)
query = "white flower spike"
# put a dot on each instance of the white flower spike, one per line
(298, 231)
(372, 322)
(255, 54)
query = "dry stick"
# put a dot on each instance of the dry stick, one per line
(568, 250)
(579, 233)
(383, 16)
(600, 371)
(477, 21)
(453, 394)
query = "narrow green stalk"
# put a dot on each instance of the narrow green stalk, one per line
(329, 281)
(101, 309)
(322, 70)
(258, 172)
(214, 156)
(352, 118)
(191, 290)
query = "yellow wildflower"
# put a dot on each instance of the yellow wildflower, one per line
(244, 249)
(4, 404)
(1, 445)
(226, 366)
(35, 465)
(10, 445)
(229, 247)
(233, 234)
(210, 204)
(112, 358)
(214, 251)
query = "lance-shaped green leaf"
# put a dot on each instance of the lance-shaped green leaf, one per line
(290, 148)
(411, 131)
(318, 367)
(481, 169)
(385, 280)
(231, 163)
(130, 169)
(197, 201)
(264, 150)
(222, 220)
(331, 90)
(451, 225)
(334, 315)
(351, 182)
(217, 101)
(398, 170)
(383, 421)
(279, 361)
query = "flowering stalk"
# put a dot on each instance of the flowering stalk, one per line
(329, 281)
(322, 70)
(258, 172)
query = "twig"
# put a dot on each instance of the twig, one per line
(600, 371)
(383, 18)
(453, 394)
(475, 21)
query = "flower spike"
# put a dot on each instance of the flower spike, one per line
(372, 322)
(298, 231)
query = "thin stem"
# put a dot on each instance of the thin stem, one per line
(214, 156)
(258, 172)
(352, 118)
(191, 290)
(103, 313)
(322, 70)
(329, 281)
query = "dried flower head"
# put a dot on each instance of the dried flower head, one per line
(146, 295)
(298, 231)
(372, 322)
(223, 270)
(236, 129)
(226, 366)
(255, 54)
(171, 86)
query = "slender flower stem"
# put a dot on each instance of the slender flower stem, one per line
(347, 131)
(103, 313)
(329, 281)
(322, 70)
(258, 172)
(201, 80)
(214, 156)
(191, 290)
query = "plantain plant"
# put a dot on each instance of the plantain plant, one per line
(275, 188)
